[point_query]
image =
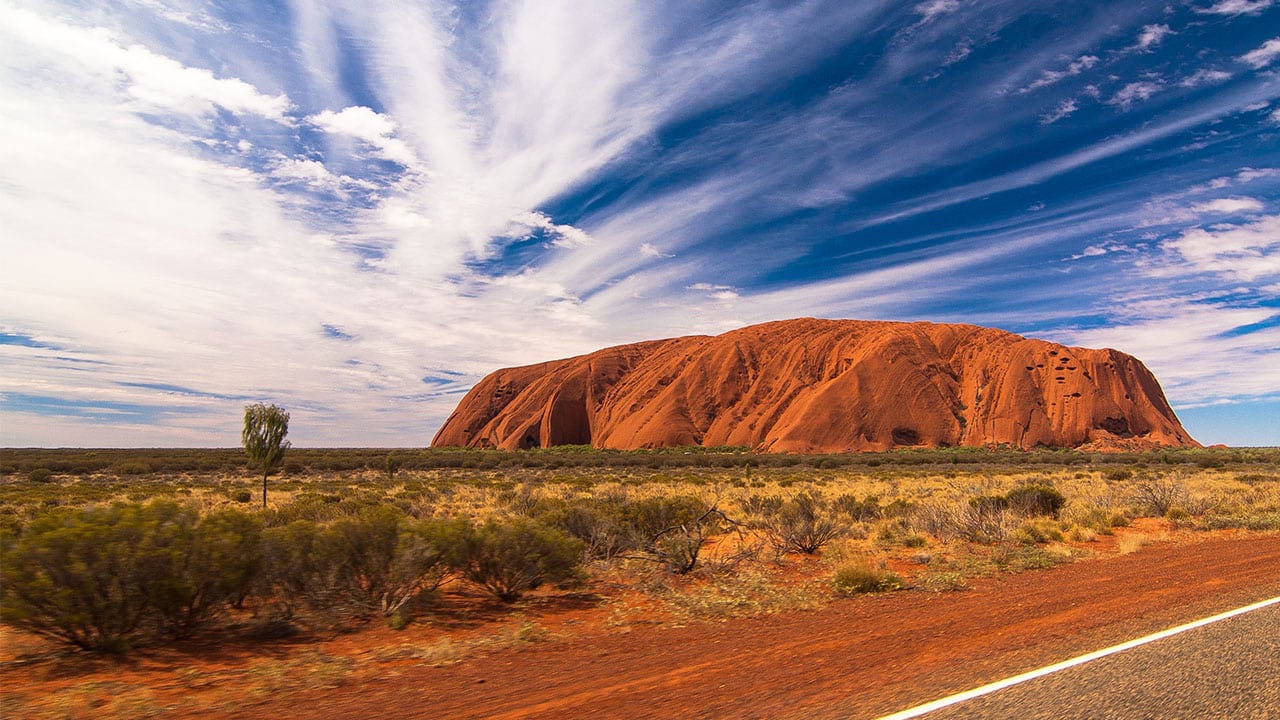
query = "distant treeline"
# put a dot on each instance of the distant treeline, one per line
(127, 462)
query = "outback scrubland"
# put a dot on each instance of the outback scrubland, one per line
(440, 556)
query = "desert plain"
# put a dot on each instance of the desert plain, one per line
(819, 585)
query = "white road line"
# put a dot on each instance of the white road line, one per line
(1002, 684)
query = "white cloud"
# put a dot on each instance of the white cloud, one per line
(490, 126)
(1204, 76)
(1091, 251)
(650, 250)
(373, 128)
(1263, 55)
(962, 50)
(1064, 109)
(1189, 346)
(1237, 7)
(1243, 176)
(1228, 205)
(1170, 210)
(933, 8)
(1049, 77)
(1151, 36)
(150, 81)
(1244, 253)
(724, 294)
(1250, 174)
(314, 174)
(562, 236)
(1275, 115)
(1135, 92)
(184, 13)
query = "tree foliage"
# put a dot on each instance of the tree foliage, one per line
(265, 429)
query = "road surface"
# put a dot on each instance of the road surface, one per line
(1227, 669)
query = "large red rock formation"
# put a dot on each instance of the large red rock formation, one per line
(815, 386)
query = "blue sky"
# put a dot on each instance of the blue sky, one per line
(358, 209)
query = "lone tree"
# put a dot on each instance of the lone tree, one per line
(265, 427)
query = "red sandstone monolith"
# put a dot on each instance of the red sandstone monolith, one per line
(817, 386)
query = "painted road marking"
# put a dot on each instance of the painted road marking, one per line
(1009, 682)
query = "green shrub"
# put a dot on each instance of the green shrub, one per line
(1157, 494)
(130, 467)
(80, 577)
(199, 565)
(1035, 499)
(762, 505)
(645, 519)
(1038, 532)
(383, 561)
(1119, 475)
(609, 527)
(860, 577)
(802, 525)
(989, 504)
(40, 475)
(915, 541)
(511, 559)
(242, 496)
(600, 531)
(863, 510)
(295, 568)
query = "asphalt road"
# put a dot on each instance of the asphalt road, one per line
(1228, 669)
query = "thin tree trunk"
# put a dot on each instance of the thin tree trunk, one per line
(264, 489)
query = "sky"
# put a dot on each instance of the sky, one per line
(357, 209)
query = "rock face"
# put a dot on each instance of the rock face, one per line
(817, 386)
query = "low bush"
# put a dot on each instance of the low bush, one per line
(382, 561)
(98, 578)
(77, 577)
(511, 559)
(863, 510)
(1035, 499)
(802, 525)
(861, 577)
(1156, 494)
(199, 565)
(981, 520)
(1037, 533)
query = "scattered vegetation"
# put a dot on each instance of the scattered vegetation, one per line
(106, 549)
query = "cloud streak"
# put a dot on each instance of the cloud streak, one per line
(206, 205)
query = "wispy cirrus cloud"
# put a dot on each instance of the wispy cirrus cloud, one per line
(149, 81)
(933, 8)
(1051, 77)
(1204, 76)
(1236, 7)
(1135, 92)
(1064, 109)
(1263, 55)
(1248, 252)
(331, 206)
(1151, 36)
